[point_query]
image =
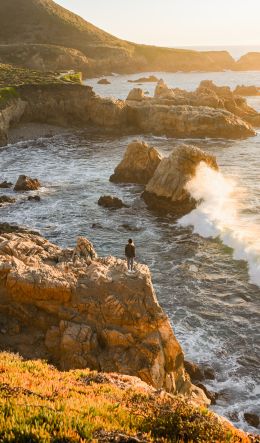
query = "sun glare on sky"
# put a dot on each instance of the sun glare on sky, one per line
(174, 22)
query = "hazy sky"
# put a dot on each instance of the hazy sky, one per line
(174, 22)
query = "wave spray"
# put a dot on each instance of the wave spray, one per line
(219, 215)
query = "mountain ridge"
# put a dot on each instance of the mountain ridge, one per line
(43, 22)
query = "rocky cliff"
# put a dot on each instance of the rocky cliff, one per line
(207, 112)
(249, 62)
(79, 311)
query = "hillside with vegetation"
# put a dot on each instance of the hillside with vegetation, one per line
(40, 404)
(43, 35)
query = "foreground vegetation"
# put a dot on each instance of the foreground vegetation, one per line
(38, 403)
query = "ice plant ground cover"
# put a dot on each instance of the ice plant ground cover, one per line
(38, 403)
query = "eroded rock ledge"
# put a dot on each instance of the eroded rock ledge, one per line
(82, 311)
(208, 112)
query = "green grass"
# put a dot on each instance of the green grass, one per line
(14, 76)
(40, 404)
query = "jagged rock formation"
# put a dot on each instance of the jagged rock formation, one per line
(25, 183)
(80, 311)
(184, 121)
(163, 91)
(230, 101)
(136, 94)
(138, 165)
(166, 189)
(210, 95)
(205, 113)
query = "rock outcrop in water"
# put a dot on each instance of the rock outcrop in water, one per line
(166, 189)
(107, 201)
(138, 165)
(25, 183)
(82, 311)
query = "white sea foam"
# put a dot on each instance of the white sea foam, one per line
(218, 214)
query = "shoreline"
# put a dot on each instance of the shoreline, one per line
(33, 131)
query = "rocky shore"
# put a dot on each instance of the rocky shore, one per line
(78, 311)
(210, 111)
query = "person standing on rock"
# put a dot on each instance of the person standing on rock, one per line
(130, 255)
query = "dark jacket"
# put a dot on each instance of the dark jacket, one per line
(130, 250)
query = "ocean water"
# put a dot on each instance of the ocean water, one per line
(120, 87)
(206, 285)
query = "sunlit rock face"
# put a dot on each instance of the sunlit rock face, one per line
(136, 94)
(80, 311)
(166, 190)
(138, 165)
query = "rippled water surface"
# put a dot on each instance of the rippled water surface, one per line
(213, 308)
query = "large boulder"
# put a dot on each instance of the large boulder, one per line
(107, 201)
(104, 81)
(25, 183)
(87, 313)
(166, 189)
(163, 91)
(138, 165)
(136, 94)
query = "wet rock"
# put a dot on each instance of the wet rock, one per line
(137, 94)
(107, 201)
(131, 228)
(6, 228)
(138, 165)
(104, 81)
(96, 226)
(209, 373)
(25, 183)
(252, 419)
(212, 396)
(35, 198)
(5, 184)
(6, 199)
(194, 371)
(166, 191)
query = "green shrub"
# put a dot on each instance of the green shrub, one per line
(8, 93)
(75, 77)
